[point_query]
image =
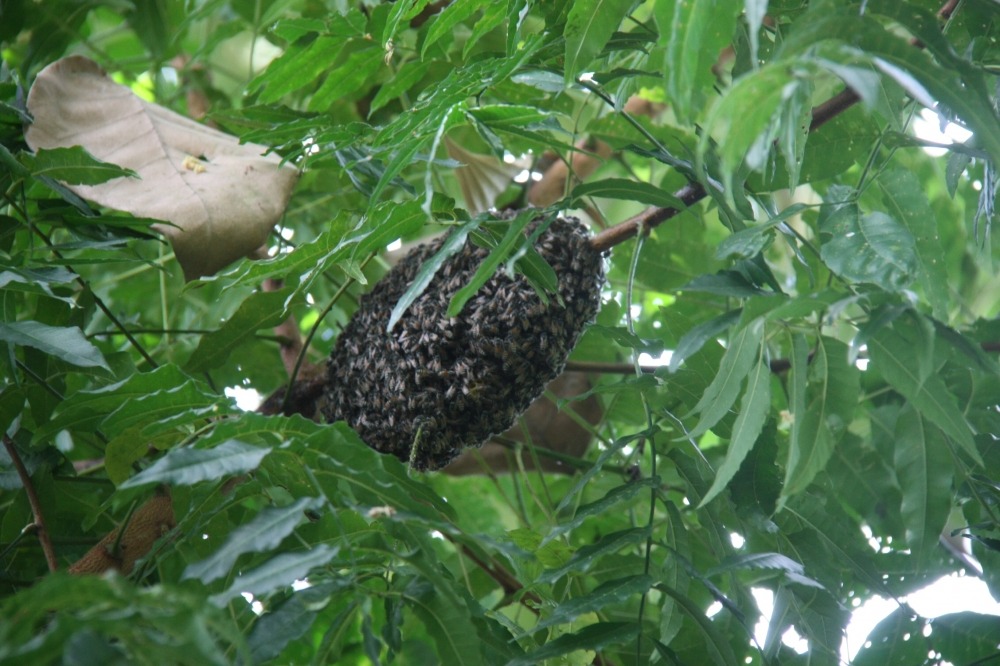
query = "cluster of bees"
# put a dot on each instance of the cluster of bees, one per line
(435, 384)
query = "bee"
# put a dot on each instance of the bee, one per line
(437, 384)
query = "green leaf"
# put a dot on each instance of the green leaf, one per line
(925, 469)
(606, 594)
(743, 121)
(74, 166)
(586, 556)
(309, 259)
(400, 13)
(297, 67)
(385, 223)
(277, 572)
(894, 641)
(716, 646)
(85, 410)
(448, 623)
(156, 414)
(898, 358)
(792, 131)
(589, 26)
(613, 497)
(830, 398)
(512, 117)
(407, 77)
(39, 281)
(66, 344)
(770, 561)
(592, 637)
(290, 620)
(873, 248)
(453, 244)
(168, 404)
(347, 78)
(265, 532)
(966, 637)
(725, 283)
(819, 616)
(754, 410)
(746, 243)
(693, 33)
(524, 121)
(513, 236)
(549, 553)
(744, 347)
(262, 309)
(696, 337)
(349, 469)
(907, 202)
(494, 14)
(254, 427)
(446, 21)
(186, 467)
(958, 87)
(627, 190)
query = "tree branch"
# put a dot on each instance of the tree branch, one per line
(510, 585)
(36, 507)
(776, 365)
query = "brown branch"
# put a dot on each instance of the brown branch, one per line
(36, 507)
(948, 9)
(690, 194)
(831, 108)
(510, 585)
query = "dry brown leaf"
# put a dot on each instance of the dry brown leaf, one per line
(149, 522)
(224, 197)
(482, 177)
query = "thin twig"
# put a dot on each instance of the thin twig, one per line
(98, 301)
(151, 331)
(36, 506)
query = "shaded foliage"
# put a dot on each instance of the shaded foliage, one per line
(827, 287)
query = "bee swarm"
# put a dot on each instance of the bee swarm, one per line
(436, 385)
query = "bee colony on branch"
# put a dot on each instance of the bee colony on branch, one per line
(435, 384)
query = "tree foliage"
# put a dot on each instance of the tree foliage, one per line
(823, 277)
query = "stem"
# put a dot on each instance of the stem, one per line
(98, 301)
(40, 381)
(690, 194)
(36, 506)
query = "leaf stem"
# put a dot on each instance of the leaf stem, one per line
(40, 381)
(36, 506)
